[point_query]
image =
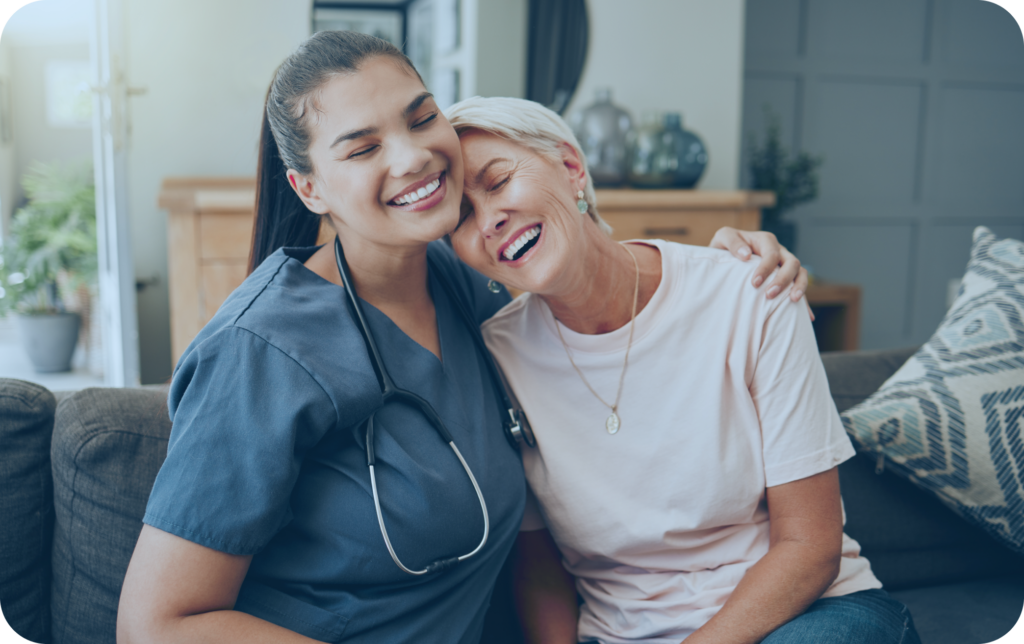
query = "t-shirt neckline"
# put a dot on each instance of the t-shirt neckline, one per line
(615, 341)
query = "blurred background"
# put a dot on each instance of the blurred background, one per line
(887, 131)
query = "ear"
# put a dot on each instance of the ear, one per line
(574, 165)
(306, 188)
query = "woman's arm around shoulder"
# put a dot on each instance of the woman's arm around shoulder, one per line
(743, 244)
(179, 591)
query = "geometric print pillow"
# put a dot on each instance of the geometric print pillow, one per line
(951, 419)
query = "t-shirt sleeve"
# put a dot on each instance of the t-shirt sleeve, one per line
(244, 414)
(801, 431)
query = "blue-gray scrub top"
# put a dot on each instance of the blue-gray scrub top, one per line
(267, 458)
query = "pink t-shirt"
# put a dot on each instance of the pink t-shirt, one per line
(724, 396)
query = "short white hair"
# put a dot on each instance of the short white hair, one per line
(529, 124)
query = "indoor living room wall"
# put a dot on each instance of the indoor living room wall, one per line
(916, 108)
(205, 66)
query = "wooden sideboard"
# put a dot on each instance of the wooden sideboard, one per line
(210, 232)
(684, 216)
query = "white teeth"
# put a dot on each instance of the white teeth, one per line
(514, 247)
(416, 195)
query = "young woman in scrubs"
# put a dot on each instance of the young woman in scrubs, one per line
(261, 525)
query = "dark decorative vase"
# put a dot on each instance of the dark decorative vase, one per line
(650, 163)
(601, 130)
(784, 231)
(687, 155)
(664, 155)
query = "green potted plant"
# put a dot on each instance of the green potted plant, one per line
(49, 259)
(792, 177)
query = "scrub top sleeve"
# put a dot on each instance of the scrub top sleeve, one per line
(244, 413)
(801, 432)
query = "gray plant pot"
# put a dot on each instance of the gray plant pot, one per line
(49, 339)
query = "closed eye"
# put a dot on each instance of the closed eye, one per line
(425, 121)
(500, 184)
(363, 152)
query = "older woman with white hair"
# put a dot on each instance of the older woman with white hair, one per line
(686, 441)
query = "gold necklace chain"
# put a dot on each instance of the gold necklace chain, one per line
(613, 422)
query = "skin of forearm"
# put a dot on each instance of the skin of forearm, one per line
(779, 587)
(545, 594)
(221, 626)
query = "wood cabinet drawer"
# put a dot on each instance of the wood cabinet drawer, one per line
(695, 228)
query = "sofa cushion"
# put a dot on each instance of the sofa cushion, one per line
(968, 613)
(108, 445)
(950, 419)
(26, 506)
(910, 537)
(854, 375)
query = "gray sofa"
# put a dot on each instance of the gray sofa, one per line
(75, 477)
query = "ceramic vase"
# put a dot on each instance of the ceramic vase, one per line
(664, 155)
(687, 156)
(650, 163)
(602, 129)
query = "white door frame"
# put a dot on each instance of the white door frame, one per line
(110, 135)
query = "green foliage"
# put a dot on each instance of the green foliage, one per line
(52, 245)
(793, 178)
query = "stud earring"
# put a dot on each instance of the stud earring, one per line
(493, 286)
(581, 205)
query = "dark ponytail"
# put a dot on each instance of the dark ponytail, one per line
(281, 217)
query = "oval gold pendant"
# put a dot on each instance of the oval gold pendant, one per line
(612, 424)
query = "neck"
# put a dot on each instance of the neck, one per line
(385, 276)
(388, 277)
(597, 294)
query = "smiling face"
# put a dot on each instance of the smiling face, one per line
(519, 223)
(387, 164)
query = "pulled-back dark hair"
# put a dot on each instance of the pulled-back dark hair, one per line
(281, 217)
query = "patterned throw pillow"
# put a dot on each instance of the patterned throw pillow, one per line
(952, 418)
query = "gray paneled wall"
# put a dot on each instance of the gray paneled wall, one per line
(918, 108)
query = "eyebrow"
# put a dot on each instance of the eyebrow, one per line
(366, 131)
(416, 102)
(487, 166)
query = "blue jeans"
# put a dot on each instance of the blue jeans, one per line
(865, 617)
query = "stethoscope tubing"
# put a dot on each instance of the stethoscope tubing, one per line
(441, 564)
(391, 392)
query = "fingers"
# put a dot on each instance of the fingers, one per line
(764, 269)
(766, 246)
(789, 273)
(730, 239)
(799, 285)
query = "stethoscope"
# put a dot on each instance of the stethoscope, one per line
(516, 428)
